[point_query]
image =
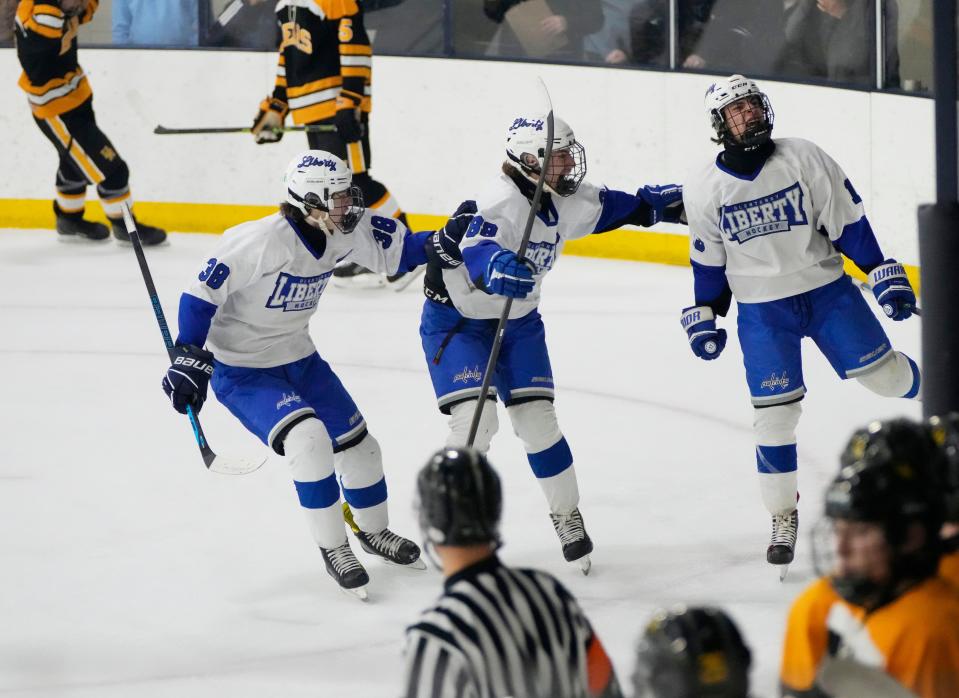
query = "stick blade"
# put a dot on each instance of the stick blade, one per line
(233, 465)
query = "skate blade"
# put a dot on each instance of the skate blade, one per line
(783, 571)
(417, 564)
(80, 240)
(584, 564)
(358, 593)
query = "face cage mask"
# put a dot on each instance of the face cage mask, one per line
(344, 220)
(566, 184)
(755, 135)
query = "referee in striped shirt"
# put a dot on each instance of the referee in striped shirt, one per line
(495, 632)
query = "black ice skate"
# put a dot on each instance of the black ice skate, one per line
(573, 537)
(392, 548)
(149, 235)
(782, 543)
(352, 275)
(72, 227)
(343, 566)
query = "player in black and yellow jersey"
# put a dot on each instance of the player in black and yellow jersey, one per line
(945, 432)
(62, 102)
(323, 77)
(882, 611)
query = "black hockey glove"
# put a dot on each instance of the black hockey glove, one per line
(187, 378)
(443, 246)
(270, 118)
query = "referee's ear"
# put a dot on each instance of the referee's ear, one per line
(601, 679)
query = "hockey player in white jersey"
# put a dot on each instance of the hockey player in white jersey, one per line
(769, 221)
(469, 275)
(250, 305)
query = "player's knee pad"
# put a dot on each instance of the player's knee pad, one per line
(461, 417)
(776, 425)
(899, 376)
(309, 453)
(535, 424)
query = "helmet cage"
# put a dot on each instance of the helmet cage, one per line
(751, 136)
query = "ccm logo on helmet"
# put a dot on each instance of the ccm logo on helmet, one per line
(526, 123)
(310, 161)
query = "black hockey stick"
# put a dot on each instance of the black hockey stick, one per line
(865, 287)
(309, 128)
(218, 464)
(521, 253)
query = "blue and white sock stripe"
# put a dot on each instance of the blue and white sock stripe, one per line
(776, 459)
(552, 461)
(916, 380)
(365, 497)
(319, 494)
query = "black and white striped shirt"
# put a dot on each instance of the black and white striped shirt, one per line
(498, 632)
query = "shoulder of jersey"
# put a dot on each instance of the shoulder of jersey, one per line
(257, 233)
(501, 200)
(327, 9)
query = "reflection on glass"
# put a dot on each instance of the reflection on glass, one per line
(404, 27)
(732, 36)
(836, 40)
(550, 30)
(915, 46)
(240, 24)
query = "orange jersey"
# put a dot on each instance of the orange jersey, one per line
(949, 568)
(914, 639)
(47, 49)
(325, 58)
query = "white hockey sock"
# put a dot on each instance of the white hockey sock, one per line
(778, 491)
(548, 453)
(364, 486)
(898, 376)
(309, 454)
(461, 417)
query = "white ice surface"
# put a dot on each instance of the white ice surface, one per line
(127, 569)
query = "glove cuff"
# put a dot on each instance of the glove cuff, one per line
(275, 105)
(887, 271)
(695, 315)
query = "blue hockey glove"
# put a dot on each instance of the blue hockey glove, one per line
(665, 203)
(507, 275)
(443, 246)
(704, 339)
(187, 378)
(892, 289)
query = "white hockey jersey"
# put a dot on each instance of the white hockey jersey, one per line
(773, 232)
(501, 217)
(266, 279)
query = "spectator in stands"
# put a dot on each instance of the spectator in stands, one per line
(740, 35)
(611, 43)
(246, 24)
(546, 29)
(155, 22)
(835, 39)
(649, 29)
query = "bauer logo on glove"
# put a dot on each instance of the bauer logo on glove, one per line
(186, 381)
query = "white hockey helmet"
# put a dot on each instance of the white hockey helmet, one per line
(724, 92)
(319, 181)
(526, 146)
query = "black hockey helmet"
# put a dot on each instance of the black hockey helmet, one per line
(691, 653)
(890, 475)
(459, 498)
(945, 432)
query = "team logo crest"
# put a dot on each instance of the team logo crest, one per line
(775, 213)
(773, 382)
(297, 292)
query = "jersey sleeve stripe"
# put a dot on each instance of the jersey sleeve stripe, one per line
(316, 86)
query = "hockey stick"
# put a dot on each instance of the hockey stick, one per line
(309, 128)
(218, 464)
(521, 253)
(866, 288)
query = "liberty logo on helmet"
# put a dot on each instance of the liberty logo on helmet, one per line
(311, 161)
(775, 213)
(521, 122)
